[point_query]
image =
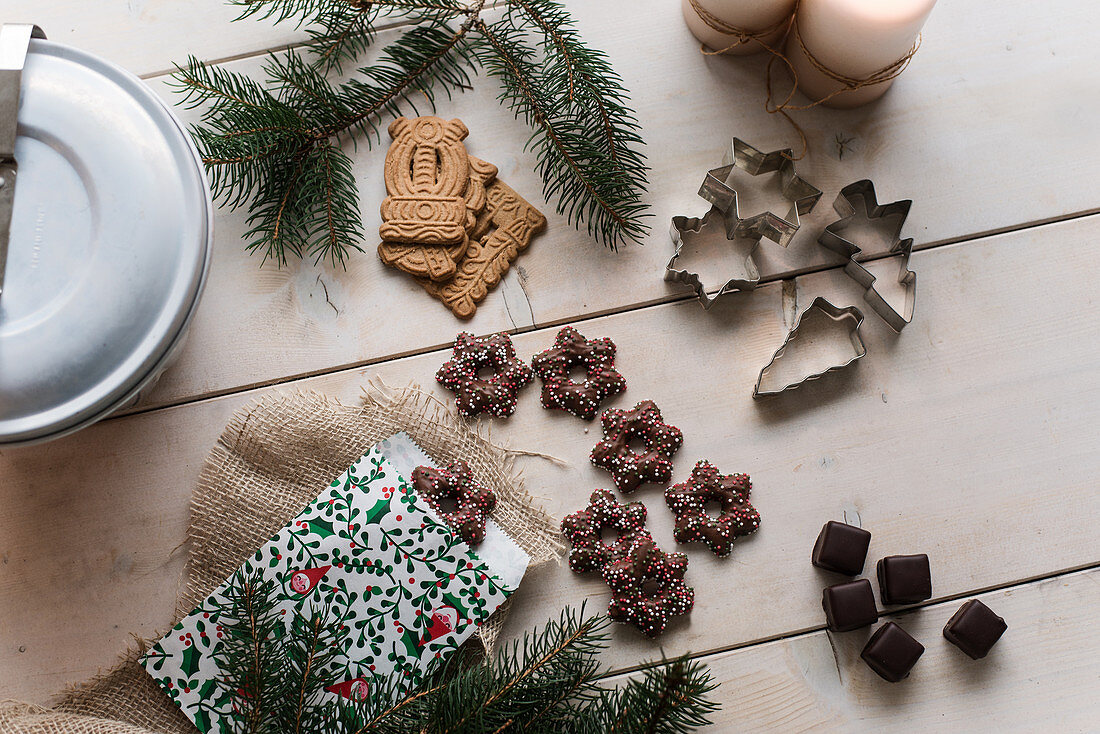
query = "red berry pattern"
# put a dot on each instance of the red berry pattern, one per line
(647, 588)
(602, 380)
(473, 501)
(629, 469)
(687, 501)
(494, 394)
(582, 529)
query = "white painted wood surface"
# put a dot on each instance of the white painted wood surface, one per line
(1044, 665)
(971, 436)
(989, 471)
(959, 134)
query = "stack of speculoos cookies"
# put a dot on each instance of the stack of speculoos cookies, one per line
(892, 652)
(448, 220)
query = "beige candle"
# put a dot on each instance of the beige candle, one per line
(855, 39)
(706, 17)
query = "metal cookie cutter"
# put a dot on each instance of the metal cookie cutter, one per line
(849, 313)
(14, 40)
(833, 238)
(718, 190)
(714, 224)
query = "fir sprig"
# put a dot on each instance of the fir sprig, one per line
(550, 682)
(278, 146)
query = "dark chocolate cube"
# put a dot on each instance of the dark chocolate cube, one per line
(904, 579)
(892, 652)
(974, 629)
(849, 606)
(841, 548)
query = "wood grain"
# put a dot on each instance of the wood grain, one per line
(1035, 679)
(954, 134)
(971, 437)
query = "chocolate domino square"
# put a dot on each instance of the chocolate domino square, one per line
(904, 579)
(849, 606)
(974, 629)
(841, 548)
(892, 652)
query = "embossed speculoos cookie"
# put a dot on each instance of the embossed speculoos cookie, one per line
(647, 587)
(504, 229)
(601, 381)
(472, 501)
(476, 393)
(632, 469)
(583, 530)
(688, 501)
(427, 216)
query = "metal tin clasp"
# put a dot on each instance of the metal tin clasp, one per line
(15, 38)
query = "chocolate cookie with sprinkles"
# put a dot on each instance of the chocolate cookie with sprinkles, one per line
(602, 380)
(472, 501)
(475, 392)
(631, 469)
(647, 588)
(736, 517)
(584, 530)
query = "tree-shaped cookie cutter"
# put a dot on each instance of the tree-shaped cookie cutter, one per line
(833, 238)
(718, 190)
(851, 314)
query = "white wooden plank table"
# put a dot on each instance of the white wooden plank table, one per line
(971, 436)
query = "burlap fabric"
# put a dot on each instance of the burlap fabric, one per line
(271, 460)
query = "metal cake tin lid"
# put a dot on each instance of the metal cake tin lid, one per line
(109, 246)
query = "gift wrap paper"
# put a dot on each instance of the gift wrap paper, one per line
(409, 590)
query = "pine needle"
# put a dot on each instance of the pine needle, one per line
(278, 146)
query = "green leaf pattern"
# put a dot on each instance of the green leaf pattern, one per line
(409, 590)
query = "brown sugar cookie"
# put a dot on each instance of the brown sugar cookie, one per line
(473, 501)
(736, 517)
(494, 394)
(601, 380)
(632, 469)
(425, 218)
(504, 229)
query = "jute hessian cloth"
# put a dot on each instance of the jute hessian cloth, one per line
(273, 457)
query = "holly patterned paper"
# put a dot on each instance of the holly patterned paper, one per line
(408, 589)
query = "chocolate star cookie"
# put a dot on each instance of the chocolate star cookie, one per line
(494, 394)
(630, 469)
(571, 349)
(473, 502)
(647, 587)
(583, 528)
(687, 501)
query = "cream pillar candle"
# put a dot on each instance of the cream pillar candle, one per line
(747, 15)
(853, 38)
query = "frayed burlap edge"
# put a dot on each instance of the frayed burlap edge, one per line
(272, 458)
(24, 718)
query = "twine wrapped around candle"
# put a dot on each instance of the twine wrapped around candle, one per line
(885, 74)
(743, 35)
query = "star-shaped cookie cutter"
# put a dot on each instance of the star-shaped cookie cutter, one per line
(685, 229)
(850, 314)
(718, 189)
(833, 239)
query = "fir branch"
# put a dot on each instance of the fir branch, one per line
(253, 668)
(591, 188)
(671, 697)
(274, 145)
(549, 683)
